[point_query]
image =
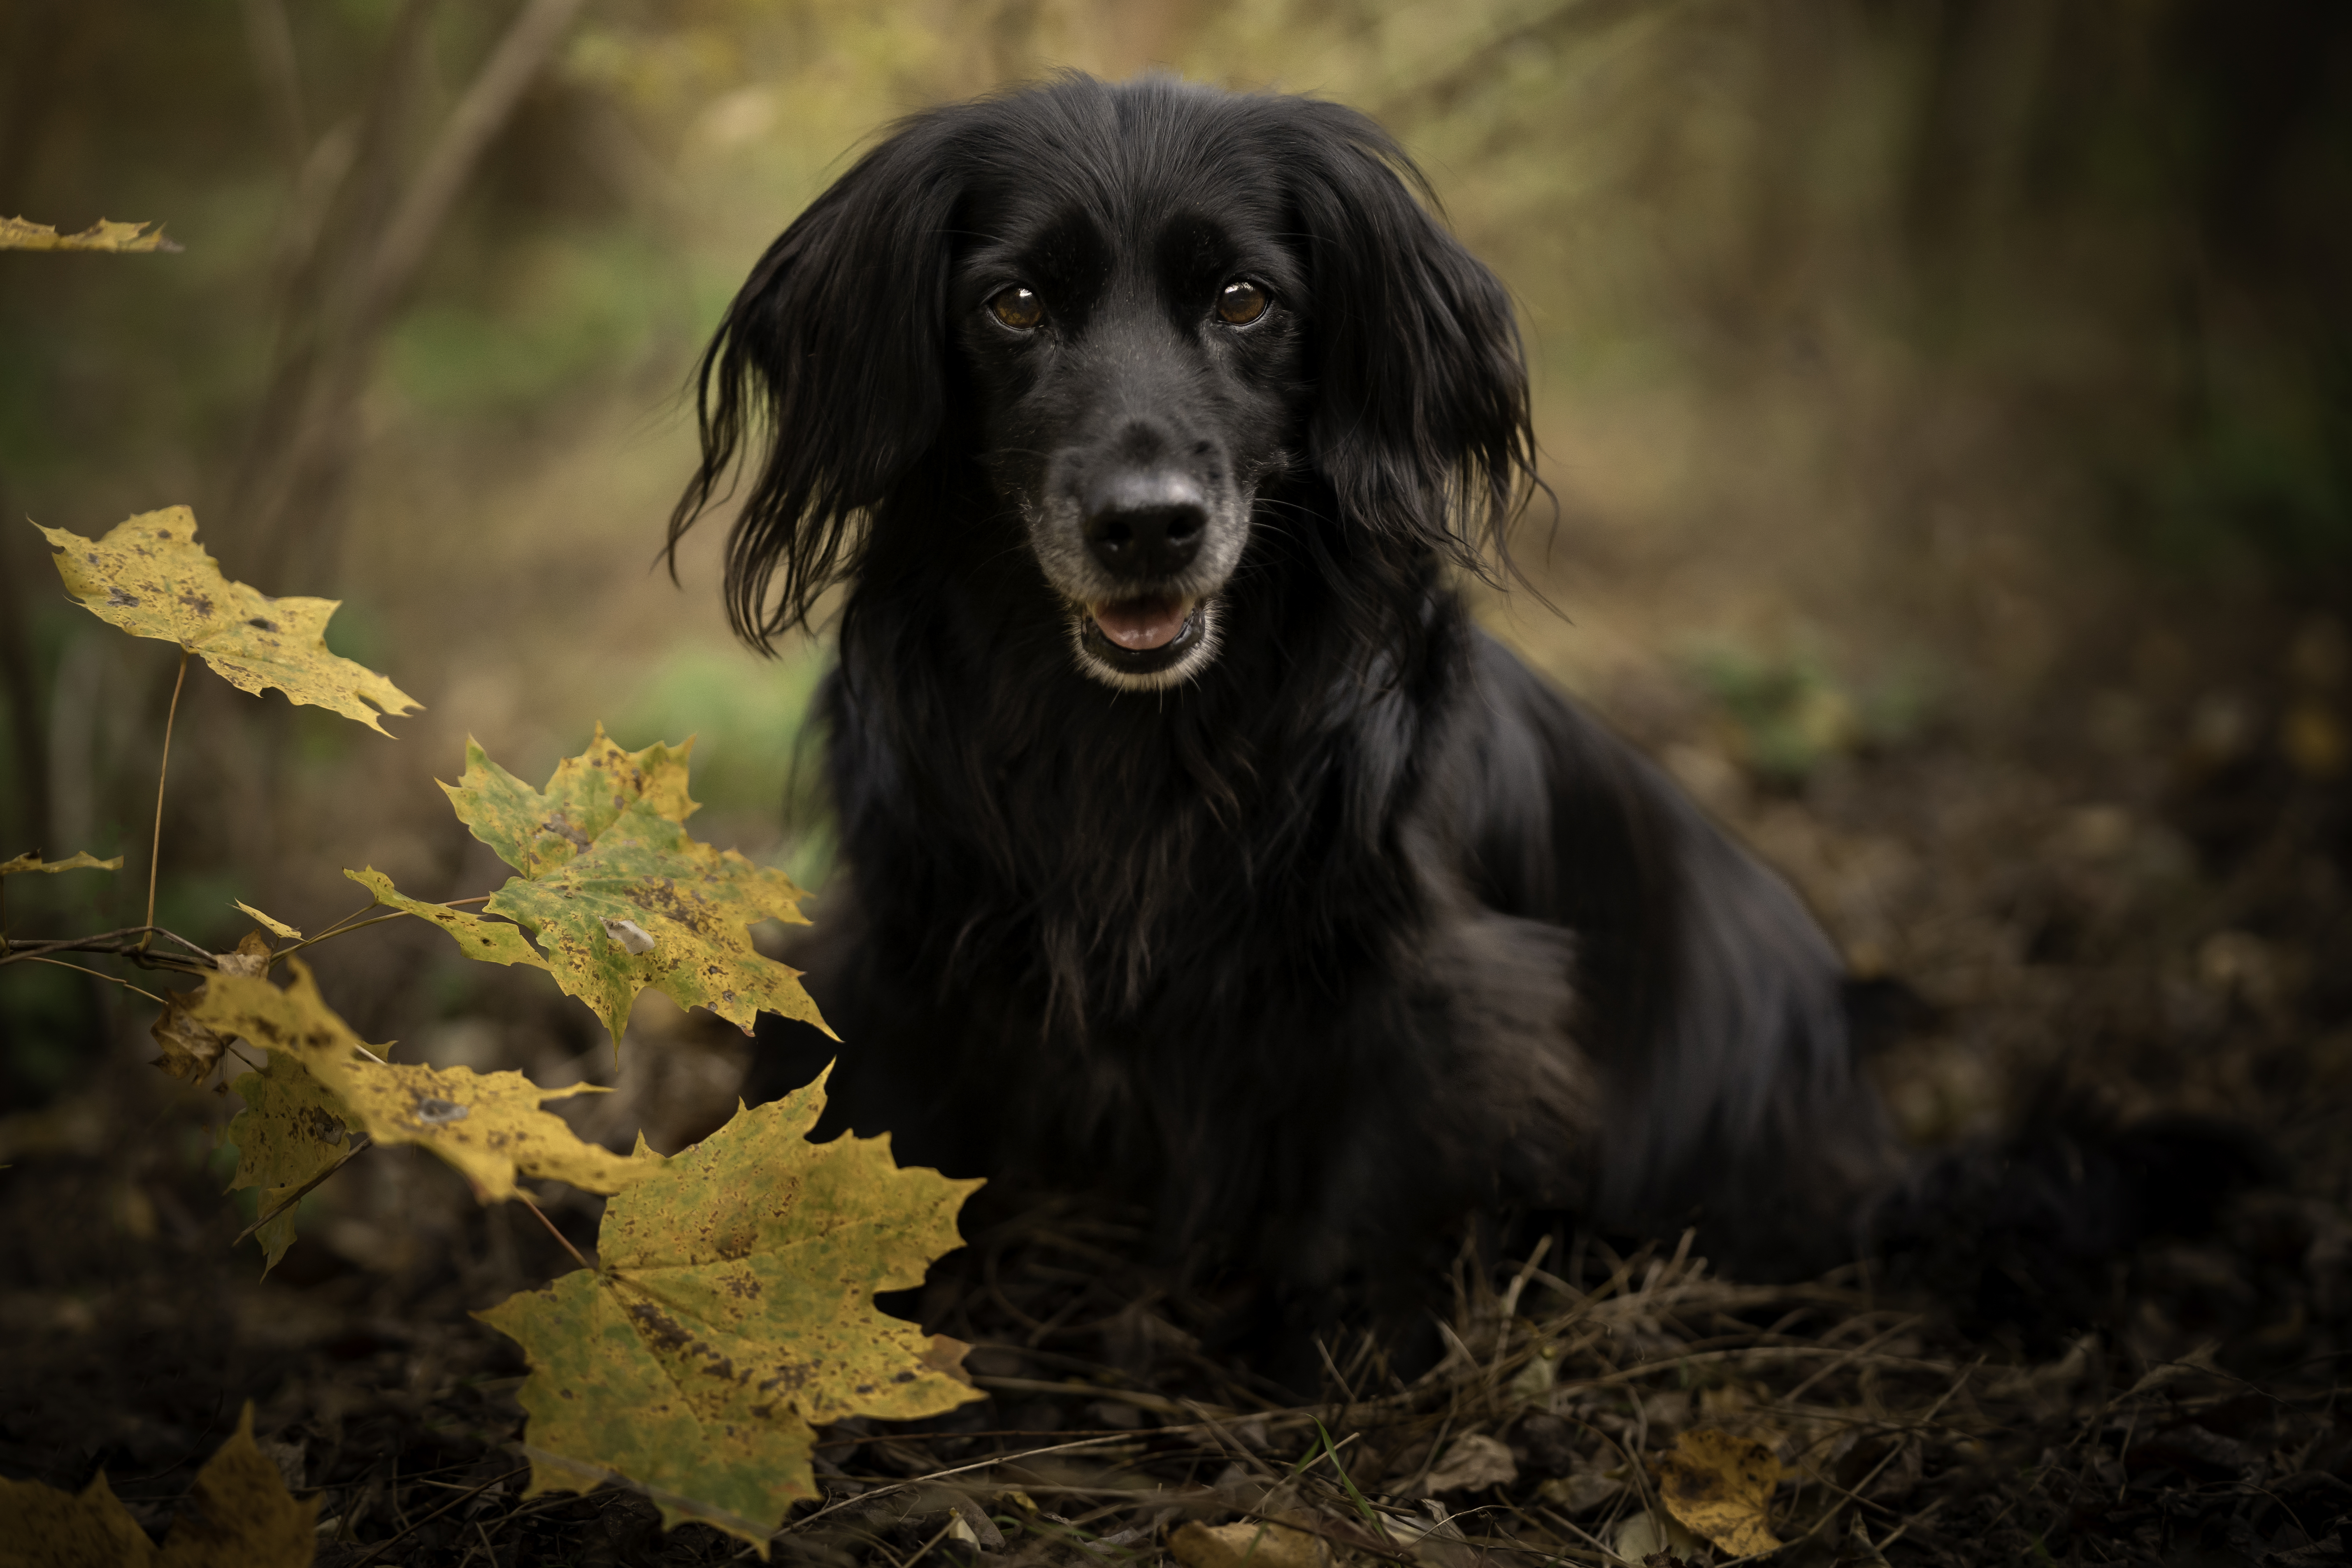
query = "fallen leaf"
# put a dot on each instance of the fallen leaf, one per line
(1655, 1542)
(1257, 1543)
(489, 1125)
(80, 860)
(190, 1049)
(1721, 1487)
(15, 234)
(1474, 1461)
(150, 577)
(41, 1527)
(733, 1310)
(618, 894)
(238, 1515)
(277, 926)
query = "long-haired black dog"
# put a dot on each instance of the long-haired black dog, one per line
(1193, 841)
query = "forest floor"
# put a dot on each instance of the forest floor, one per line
(2125, 889)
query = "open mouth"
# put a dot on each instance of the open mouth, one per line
(1146, 636)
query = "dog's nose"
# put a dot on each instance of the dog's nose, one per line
(1146, 522)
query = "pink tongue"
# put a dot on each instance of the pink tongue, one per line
(1141, 624)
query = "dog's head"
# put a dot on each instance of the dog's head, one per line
(1137, 308)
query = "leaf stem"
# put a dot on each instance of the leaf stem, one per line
(298, 1193)
(155, 848)
(550, 1224)
(62, 964)
(343, 928)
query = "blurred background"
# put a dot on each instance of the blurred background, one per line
(1950, 407)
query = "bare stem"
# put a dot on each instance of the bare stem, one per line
(155, 848)
(560, 1237)
(62, 964)
(298, 1193)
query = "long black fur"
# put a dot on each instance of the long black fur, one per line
(1363, 930)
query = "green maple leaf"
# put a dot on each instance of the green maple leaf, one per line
(150, 577)
(732, 1310)
(617, 891)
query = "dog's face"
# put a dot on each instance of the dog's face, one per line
(1131, 309)
(1137, 363)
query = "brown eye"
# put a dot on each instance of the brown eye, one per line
(1242, 303)
(1017, 308)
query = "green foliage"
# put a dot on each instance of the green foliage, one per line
(617, 891)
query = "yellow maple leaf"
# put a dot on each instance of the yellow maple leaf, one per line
(1721, 1486)
(290, 1130)
(731, 1311)
(16, 234)
(489, 1125)
(150, 577)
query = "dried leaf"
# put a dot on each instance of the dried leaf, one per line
(489, 1125)
(15, 234)
(1474, 1461)
(617, 893)
(492, 941)
(277, 927)
(150, 577)
(41, 1527)
(1721, 1487)
(733, 1310)
(80, 860)
(1656, 1540)
(238, 1515)
(1250, 1542)
(252, 956)
(190, 1049)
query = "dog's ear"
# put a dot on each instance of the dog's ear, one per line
(824, 380)
(1420, 423)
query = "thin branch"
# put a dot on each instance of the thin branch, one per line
(564, 1240)
(62, 964)
(155, 848)
(298, 1193)
(521, 55)
(332, 931)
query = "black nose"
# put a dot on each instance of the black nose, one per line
(1146, 523)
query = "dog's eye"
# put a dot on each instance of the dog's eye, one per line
(1242, 302)
(1017, 308)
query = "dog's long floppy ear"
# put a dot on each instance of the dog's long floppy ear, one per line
(824, 380)
(1421, 419)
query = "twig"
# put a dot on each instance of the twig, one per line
(563, 1239)
(298, 1193)
(381, 1547)
(62, 964)
(155, 848)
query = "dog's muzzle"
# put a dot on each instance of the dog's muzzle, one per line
(1155, 547)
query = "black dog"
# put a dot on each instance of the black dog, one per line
(1193, 841)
